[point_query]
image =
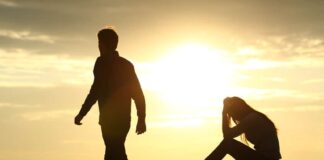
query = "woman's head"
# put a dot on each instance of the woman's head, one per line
(236, 108)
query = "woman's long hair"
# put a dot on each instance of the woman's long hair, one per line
(246, 109)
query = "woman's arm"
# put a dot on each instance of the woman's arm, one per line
(225, 122)
(231, 132)
(225, 118)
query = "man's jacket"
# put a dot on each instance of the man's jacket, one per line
(115, 84)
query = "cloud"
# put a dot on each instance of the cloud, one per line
(283, 47)
(13, 105)
(177, 119)
(41, 115)
(314, 81)
(21, 68)
(234, 19)
(8, 3)
(253, 64)
(280, 60)
(177, 123)
(295, 109)
(27, 35)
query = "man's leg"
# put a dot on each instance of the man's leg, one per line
(118, 145)
(236, 149)
(114, 138)
(106, 141)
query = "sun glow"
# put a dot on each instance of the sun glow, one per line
(191, 76)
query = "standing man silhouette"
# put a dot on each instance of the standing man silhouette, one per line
(115, 84)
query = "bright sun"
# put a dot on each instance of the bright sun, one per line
(191, 75)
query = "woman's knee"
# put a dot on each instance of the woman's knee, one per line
(228, 143)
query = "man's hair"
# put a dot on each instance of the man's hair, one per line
(108, 37)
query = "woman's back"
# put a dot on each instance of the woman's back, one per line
(262, 133)
(256, 126)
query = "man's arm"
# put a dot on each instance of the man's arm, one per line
(138, 97)
(91, 99)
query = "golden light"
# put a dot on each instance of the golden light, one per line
(191, 77)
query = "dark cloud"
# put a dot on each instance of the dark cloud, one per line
(75, 23)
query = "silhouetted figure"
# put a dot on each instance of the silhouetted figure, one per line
(257, 128)
(115, 84)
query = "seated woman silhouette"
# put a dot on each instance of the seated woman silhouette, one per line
(257, 128)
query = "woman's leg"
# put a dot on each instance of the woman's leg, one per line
(236, 149)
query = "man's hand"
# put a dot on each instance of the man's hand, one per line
(77, 120)
(141, 126)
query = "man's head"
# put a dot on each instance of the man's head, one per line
(108, 40)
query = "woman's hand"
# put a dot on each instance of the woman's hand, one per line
(225, 105)
(225, 117)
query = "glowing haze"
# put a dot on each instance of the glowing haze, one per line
(188, 55)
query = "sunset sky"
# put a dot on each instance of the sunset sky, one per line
(188, 55)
